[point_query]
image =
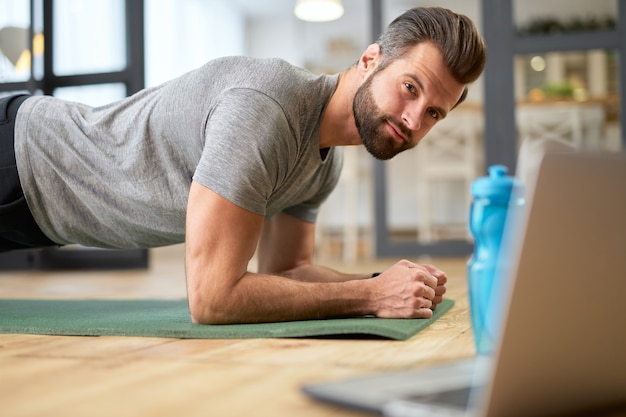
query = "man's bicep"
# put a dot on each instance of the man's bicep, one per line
(286, 242)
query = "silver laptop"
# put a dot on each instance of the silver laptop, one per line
(562, 346)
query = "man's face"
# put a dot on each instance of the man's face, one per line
(397, 105)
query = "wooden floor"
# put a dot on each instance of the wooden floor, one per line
(127, 376)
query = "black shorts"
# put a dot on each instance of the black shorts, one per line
(18, 229)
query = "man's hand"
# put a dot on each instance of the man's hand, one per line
(408, 290)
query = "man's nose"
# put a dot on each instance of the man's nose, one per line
(413, 115)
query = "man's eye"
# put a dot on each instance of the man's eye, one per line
(433, 113)
(409, 87)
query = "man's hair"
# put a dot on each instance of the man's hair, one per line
(455, 35)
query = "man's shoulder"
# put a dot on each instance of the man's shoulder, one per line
(293, 88)
(261, 73)
(232, 65)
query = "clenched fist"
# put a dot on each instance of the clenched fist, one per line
(408, 290)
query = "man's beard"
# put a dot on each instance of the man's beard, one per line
(370, 123)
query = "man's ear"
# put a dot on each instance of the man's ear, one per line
(369, 59)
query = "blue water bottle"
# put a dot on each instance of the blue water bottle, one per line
(492, 203)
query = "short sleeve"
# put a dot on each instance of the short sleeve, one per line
(249, 149)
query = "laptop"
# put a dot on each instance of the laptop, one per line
(562, 343)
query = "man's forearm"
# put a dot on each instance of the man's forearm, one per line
(270, 298)
(406, 290)
(318, 273)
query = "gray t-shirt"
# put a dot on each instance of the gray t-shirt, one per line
(118, 176)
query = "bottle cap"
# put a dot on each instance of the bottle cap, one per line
(497, 184)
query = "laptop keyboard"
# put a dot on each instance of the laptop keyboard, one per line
(458, 397)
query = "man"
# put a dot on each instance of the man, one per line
(236, 157)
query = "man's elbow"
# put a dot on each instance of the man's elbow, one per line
(208, 311)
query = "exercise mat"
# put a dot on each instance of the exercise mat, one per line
(170, 319)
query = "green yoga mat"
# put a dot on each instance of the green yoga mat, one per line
(170, 318)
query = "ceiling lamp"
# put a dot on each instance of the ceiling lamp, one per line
(318, 10)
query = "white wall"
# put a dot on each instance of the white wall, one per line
(268, 37)
(309, 44)
(183, 35)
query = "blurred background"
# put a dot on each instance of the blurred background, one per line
(553, 71)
